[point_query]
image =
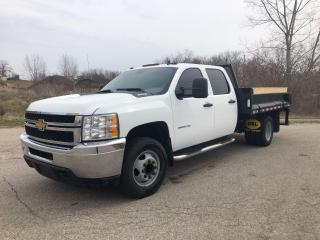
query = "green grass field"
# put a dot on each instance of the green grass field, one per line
(18, 122)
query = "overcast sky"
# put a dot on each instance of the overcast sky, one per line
(118, 34)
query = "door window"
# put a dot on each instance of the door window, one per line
(218, 82)
(186, 80)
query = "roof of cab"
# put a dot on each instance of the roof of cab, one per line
(184, 65)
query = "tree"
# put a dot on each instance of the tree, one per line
(99, 75)
(4, 68)
(68, 67)
(315, 52)
(290, 20)
(36, 67)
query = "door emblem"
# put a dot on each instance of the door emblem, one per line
(41, 125)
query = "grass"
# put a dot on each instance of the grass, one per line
(16, 122)
(13, 103)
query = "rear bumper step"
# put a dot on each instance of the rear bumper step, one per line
(205, 149)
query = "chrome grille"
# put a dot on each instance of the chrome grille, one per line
(60, 130)
(50, 117)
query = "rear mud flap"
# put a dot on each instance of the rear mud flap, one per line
(253, 125)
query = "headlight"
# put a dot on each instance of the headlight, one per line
(100, 127)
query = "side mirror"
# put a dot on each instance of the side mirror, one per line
(200, 88)
(179, 93)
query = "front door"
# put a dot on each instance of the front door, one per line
(193, 117)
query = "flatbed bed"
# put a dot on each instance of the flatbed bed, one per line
(259, 100)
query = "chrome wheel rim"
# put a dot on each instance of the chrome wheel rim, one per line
(146, 168)
(268, 131)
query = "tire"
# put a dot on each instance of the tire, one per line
(266, 134)
(144, 167)
(250, 137)
(264, 137)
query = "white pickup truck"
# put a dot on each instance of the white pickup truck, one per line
(144, 120)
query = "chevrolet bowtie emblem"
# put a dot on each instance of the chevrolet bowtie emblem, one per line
(41, 125)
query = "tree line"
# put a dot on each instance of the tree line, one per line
(36, 69)
(68, 67)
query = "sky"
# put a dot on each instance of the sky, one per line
(119, 34)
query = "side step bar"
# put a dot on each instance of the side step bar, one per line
(203, 150)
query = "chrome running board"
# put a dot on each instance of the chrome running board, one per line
(203, 150)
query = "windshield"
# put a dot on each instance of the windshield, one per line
(149, 80)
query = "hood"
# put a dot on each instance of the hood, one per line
(80, 104)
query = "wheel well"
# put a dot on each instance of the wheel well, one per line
(156, 130)
(275, 115)
(275, 119)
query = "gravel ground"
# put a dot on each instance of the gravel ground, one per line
(236, 192)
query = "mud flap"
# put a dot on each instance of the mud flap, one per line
(253, 125)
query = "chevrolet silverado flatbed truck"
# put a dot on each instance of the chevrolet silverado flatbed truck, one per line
(144, 120)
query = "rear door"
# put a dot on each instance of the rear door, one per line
(224, 103)
(193, 117)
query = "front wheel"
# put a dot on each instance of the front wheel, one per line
(144, 167)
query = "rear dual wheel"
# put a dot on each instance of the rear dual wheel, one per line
(264, 137)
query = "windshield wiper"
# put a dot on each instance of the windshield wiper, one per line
(105, 91)
(135, 90)
(131, 89)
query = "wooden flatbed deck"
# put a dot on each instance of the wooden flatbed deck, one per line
(269, 90)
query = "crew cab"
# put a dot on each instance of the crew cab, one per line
(144, 120)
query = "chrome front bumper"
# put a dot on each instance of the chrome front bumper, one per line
(92, 160)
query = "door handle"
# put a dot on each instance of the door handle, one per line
(207, 105)
(232, 101)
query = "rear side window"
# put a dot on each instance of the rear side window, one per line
(186, 80)
(218, 82)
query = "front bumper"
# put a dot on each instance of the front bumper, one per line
(86, 161)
